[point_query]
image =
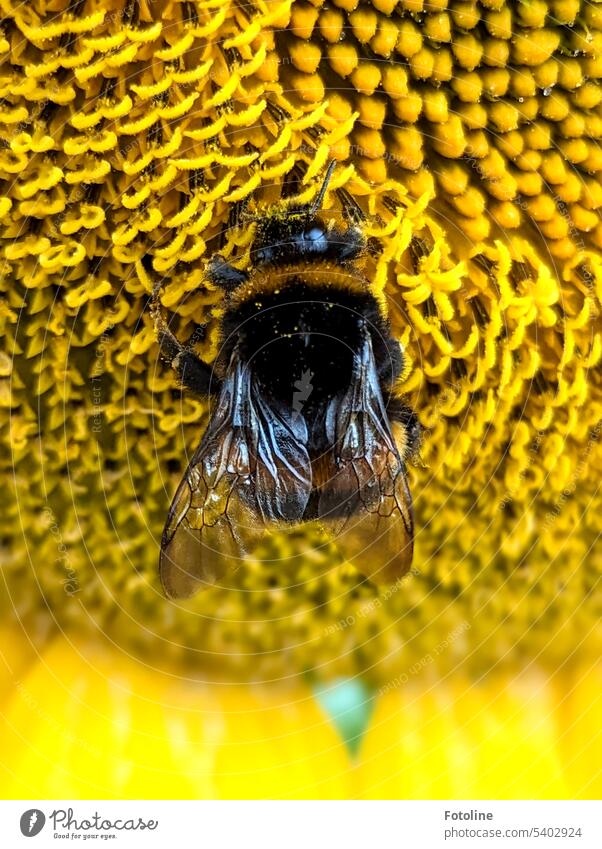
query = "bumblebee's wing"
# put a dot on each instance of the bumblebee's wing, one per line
(251, 470)
(365, 501)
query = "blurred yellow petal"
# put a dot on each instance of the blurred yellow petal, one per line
(499, 738)
(16, 654)
(577, 714)
(87, 722)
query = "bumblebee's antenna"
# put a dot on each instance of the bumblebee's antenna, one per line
(317, 202)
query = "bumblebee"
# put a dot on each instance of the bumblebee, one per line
(304, 425)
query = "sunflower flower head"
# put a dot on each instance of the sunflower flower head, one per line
(469, 135)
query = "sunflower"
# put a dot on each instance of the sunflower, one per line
(469, 134)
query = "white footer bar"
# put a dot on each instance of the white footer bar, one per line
(302, 825)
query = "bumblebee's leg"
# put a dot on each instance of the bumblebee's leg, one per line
(224, 275)
(194, 374)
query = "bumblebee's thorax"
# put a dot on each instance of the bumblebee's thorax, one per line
(298, 330)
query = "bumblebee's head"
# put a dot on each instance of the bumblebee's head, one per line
(292, 234)
(289, 236)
